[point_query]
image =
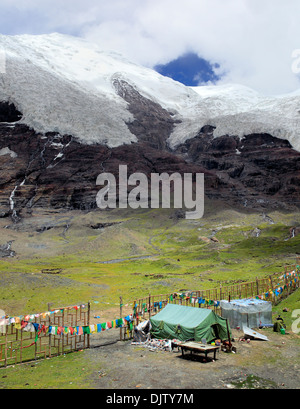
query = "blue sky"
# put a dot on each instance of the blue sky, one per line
(250, 42)
(190, 69)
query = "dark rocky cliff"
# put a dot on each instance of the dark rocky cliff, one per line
(258, 171)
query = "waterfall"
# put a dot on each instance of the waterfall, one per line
(11, 197)
(11, 200)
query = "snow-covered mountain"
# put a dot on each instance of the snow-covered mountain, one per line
(69, 111)
(66, 85)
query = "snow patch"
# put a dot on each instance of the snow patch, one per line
(7, 151)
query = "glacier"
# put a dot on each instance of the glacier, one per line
(64, 84)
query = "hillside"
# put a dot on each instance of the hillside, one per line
(101, 256)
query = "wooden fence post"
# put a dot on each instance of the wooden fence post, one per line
(50, 336)
(5, 350)
(121, 305)
(88, 323)
(271, 282)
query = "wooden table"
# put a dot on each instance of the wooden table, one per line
(197, 347)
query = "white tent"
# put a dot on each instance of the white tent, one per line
(250, 312)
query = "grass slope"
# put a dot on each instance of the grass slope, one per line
(145, 251)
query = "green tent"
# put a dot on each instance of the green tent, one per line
(183, 323)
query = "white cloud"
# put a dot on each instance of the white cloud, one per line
(253, 40)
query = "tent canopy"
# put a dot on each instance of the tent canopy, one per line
(251, 312)
(181, 322)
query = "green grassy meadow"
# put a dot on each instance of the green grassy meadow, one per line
(145, 251)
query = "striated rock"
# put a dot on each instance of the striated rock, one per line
(59, 172)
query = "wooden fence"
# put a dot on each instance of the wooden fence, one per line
(18, 344)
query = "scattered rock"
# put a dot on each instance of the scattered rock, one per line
(103, 225)
(52, 271)
(256, 232)
(5, 250)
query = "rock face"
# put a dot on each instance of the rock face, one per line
(59, 172)
(259, 169)
(51, 170)
(146, 112)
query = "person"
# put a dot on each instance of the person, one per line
(278, 324)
